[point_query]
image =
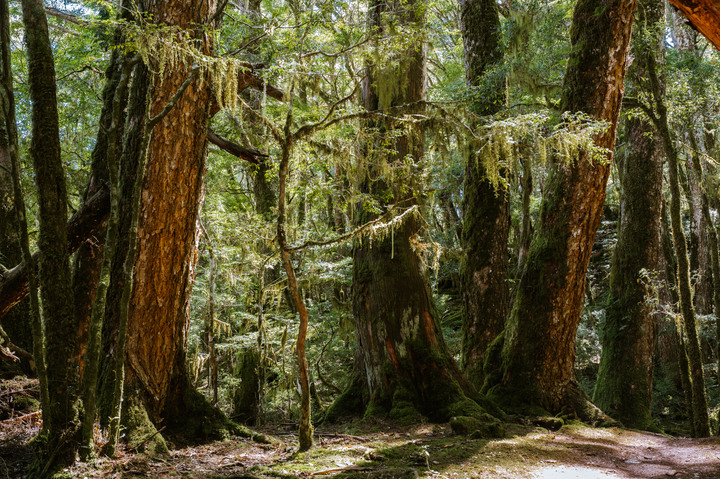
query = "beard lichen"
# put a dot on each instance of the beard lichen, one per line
(537, 137)
(171, 48)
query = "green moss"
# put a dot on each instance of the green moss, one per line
(140, 433)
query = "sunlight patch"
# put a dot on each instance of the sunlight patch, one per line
(573, 472)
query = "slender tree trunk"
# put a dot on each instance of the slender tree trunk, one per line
(15, 322)
(660, 118)
(486, 210)
(9, 155)
(306, 430)
(115, 95)
(678, 335)
(538, 354)
(55, 284)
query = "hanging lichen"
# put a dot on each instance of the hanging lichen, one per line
(536, 137)
(169, 48)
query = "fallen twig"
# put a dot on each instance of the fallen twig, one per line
(344, 436)
(342, 469)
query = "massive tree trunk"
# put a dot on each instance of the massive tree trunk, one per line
(624, 384)
(55, 287)
(165, 257)
(407, 367)
(538, 354)
(486, 211)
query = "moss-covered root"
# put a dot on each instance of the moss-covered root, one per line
(202, 421)
(350, 403)
(580, 405)
(140, 433)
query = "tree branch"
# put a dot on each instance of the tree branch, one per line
(249, 154)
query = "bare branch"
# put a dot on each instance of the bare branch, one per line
(249, 154)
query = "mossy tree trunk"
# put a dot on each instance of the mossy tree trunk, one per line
(698, 244)
(486, 210)
(672, 293)
(538, 353)
(624, 384)
(406, 366)
(55, 286)
(712, 237)
(657, 112)
(9, 152)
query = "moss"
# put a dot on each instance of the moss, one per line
(549, 422)
(25, 404)
(350, 403)
(140, 433)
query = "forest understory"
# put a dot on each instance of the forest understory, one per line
(537, 448)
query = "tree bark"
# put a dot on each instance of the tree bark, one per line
(486, 210)
(624, 384)
(538, 353)
(407, 368)
(55, 280)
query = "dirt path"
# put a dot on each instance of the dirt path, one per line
(429, 451)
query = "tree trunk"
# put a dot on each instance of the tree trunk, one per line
(671, 285)
(486, 210)
(701, 425)
(55, 285)
(14, 323)
(538, 354)
(406, 365)
(166, 235)
(712, 239)
(624, 384)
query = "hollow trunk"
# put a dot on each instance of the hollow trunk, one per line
(538, 354)
(486, 210)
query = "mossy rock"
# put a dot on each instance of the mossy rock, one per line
(486, 427)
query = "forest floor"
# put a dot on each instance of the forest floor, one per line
(375, 449)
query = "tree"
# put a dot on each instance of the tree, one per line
(624, 385)
(486, 208)
(657, 112)
(55, 286)
(402, 357)
(537, 355)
